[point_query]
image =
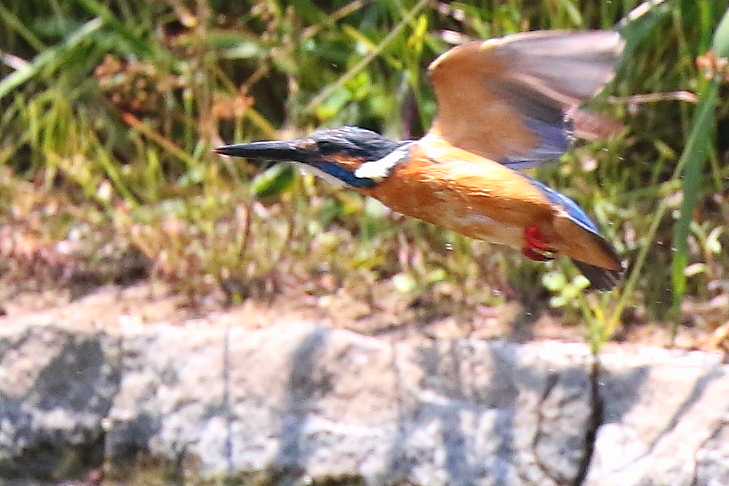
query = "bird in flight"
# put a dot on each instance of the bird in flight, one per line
(502, 105)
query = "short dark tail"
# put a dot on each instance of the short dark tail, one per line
(600, 278)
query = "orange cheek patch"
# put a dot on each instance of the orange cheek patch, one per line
(349, 163)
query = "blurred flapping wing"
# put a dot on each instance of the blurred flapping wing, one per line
(509, 99)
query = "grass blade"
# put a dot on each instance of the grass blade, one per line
(640, 21)
(691, 163)
(50, 57)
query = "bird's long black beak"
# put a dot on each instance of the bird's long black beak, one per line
(268, 150)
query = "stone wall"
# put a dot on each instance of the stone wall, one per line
(295, 403)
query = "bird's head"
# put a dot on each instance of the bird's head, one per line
(352, 155)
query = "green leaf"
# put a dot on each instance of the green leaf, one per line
(721, 37)
(375, 209)
(557, 301)
(244, 50)
(437, 275)
(713, 243)
(640, 21)
(554, 281)
(581, 282)
(404, 282)
(333, 103)
(273, 181)
(234, 45)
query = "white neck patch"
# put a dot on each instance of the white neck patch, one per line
(377, 170)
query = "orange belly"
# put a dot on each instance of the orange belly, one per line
(479, 198)
(483, 199)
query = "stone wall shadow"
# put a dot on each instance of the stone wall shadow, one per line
(444, 373)
(76, 381)
(305, 384)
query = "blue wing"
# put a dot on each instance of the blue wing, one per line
(574, 211)
(555, 139)
(600, 278)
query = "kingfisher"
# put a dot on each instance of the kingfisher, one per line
(502, 105)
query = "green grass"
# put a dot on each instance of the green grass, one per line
(110, 111)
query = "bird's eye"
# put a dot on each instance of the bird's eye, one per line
(325, 145)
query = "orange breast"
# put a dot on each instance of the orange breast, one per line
(479, 198)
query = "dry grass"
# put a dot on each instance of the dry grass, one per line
(110, 111)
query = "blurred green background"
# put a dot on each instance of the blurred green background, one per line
(110, 110)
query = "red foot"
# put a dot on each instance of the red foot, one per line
(536, 247)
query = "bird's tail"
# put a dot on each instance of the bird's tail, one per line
(600, 278)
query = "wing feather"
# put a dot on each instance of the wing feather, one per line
(508, 99)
